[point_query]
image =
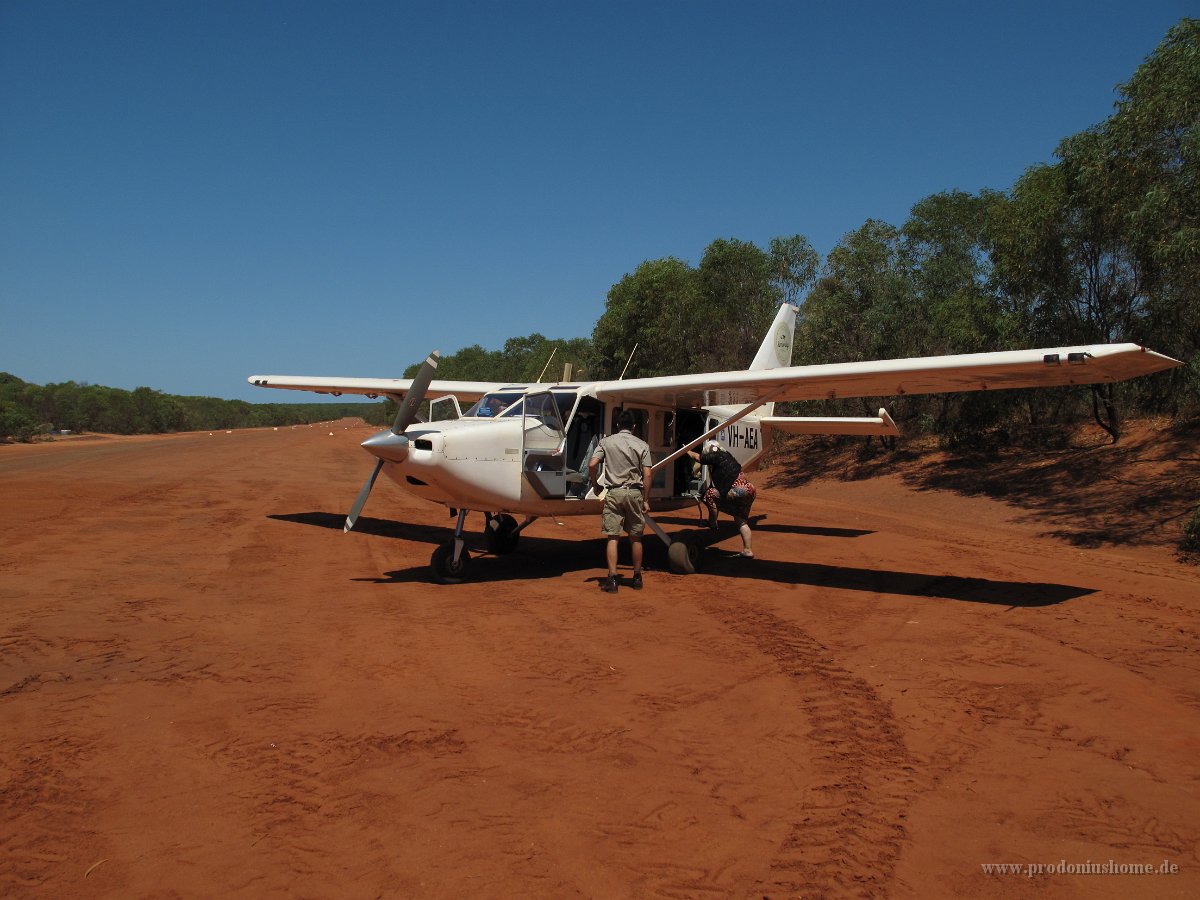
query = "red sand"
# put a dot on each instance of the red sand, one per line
(206, 689)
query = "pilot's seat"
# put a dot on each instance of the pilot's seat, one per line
(577, 474)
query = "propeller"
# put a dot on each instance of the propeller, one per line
(362, 498)
(394, 442)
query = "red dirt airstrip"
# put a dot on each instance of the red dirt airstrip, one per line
(206, 689)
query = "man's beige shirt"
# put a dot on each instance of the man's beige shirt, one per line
(623, 456)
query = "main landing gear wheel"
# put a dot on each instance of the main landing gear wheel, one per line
(683, 556)
(445, 569)
(501, 534)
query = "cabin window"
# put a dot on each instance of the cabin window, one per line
(640, 416)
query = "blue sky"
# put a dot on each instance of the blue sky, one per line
(193, 192)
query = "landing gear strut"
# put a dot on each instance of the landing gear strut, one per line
(450, 560)
(500, 535)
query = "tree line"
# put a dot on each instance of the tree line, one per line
(29, 410)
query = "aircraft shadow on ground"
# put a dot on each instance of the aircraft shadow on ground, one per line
(551, 557)
(758, 524)
(367, 525)
(536, 557)
(880, 581)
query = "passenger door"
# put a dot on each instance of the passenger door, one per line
(542, 460)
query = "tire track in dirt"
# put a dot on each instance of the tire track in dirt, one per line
(848, 830)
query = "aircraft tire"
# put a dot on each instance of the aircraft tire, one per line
(683, 557)
(501, 535)
(444, 569)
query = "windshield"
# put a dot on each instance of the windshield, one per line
(509, 403)
(492, 405)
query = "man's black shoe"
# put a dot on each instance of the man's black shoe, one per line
(609, 584)
(637, 581)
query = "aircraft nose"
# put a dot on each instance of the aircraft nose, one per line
(387, 446)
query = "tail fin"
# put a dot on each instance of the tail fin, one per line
(776, 349)
(775, 352)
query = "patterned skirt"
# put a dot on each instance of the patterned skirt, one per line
(736, 503)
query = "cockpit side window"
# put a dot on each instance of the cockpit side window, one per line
(640, 417)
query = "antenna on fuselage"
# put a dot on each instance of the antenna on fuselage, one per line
(546, 366)
(627, 362)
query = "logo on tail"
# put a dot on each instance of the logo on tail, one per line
(783, 345)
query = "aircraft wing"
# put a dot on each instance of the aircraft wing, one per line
(373, 387)
(892, 377)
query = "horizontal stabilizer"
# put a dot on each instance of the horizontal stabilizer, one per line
(883, 424)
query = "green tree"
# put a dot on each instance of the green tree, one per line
(945, 247)
(861, 308)
(708, 318)
(1144, 163)
(794, 267)
(525, 358)
(521, 359)
(738, 296)
(944, 243)
(655, 308)
(16, 423)
(471, 363)
(1151, 153)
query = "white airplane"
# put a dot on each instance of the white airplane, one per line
(523, 449)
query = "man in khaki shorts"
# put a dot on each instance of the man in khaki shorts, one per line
(626, 459)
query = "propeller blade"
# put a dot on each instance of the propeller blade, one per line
(405, 416)
(412, 399)
(362, 498)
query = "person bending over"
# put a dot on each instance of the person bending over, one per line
(729, 492)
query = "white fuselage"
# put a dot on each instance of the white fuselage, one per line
(532, 459)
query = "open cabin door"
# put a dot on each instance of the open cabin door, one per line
(542, 461)
(444, 408)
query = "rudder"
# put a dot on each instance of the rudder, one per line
(775, 352)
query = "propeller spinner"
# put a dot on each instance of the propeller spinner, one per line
(393, 444)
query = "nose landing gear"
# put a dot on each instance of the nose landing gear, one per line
(451, 559)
